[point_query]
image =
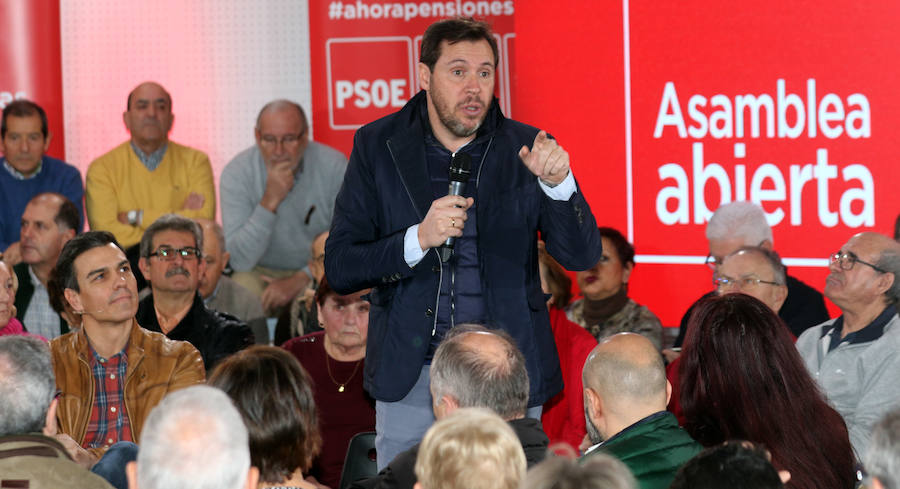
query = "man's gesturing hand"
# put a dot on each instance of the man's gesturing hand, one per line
(445, 218)
(546, 159)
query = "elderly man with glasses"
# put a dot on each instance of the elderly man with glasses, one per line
(276, 196)
(754, 271)
(855, 358)
(171, 261)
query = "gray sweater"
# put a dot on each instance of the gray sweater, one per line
(860, 380)
(281, 240)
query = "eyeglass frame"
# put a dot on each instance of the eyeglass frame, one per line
(735, 281)
(840, 256)
(288, 139)
(186, 253)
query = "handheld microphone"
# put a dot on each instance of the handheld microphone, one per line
(460, 170)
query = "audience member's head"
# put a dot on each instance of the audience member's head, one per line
(865, 273)
(883, 456)
(754, 271)
(345, 320)
(317, 256)
(742, 378)
(610, 275)
(735, 225)
(214, 255)
(24, 135)
(49, 221)
(27, 386)
(624, 382)
(170, 255)
(477, 367)
(274, 396)
(193, 439)
(731, 465)
(470, 449)
(282, 133)
(148, 116)
(8, 286)
(93, 276)
(599, 471)
(554, 280)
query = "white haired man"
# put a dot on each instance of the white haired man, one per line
(195, 439)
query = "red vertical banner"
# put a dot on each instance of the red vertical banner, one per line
(31, 61)
(364, 54)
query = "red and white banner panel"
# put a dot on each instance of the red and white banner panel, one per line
(788, 105)
(30, 61)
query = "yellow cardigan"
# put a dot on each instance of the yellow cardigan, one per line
(118, 182)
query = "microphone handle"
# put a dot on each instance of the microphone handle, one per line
(456, 188)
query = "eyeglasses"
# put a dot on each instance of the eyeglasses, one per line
(167, 253)
(724, 282)
(287, 140)
(712, 262)
(846, 260)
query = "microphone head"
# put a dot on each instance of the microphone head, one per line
(460, 167)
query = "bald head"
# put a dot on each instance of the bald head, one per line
(317, 256)
(627, 372)
(214, 255)
(477, 367)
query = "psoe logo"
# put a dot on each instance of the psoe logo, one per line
(7, 97)
(368, 78)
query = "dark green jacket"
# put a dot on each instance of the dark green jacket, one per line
(654, 449)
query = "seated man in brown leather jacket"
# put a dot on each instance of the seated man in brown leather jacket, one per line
(111, 372)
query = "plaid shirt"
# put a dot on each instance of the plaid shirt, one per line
(109, 421)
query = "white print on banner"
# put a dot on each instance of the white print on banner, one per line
(7, 97)
(829, 115)
(360, 10)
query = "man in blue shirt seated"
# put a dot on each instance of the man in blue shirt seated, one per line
(26, 171)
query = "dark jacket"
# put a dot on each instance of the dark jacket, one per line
(24, 293)
(653, 449)
(387, 189)
(400, 473)
(214, 334)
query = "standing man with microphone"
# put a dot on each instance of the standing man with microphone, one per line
(393, 219)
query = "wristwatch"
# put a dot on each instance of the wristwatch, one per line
(134, 216)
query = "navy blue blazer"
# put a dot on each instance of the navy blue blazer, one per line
(387, 189)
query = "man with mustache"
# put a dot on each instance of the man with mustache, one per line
(393, 215)
(26, 171)
(140, 180)
(172, 262)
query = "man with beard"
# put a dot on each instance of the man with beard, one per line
(625, 396)
(171, 261)
(393, 216)
(140, 180)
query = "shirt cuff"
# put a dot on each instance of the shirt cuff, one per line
(562, 191)
(412, 250)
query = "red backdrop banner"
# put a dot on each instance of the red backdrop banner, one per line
(687, 105)
(31, 61)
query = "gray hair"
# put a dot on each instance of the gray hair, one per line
(883, 458)
(889, 261)
(282, 104)
(478, 380)
(771, 257)
(599, 471)
(27, 385)
(194, 439)
(170, 222)
(742, 219)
